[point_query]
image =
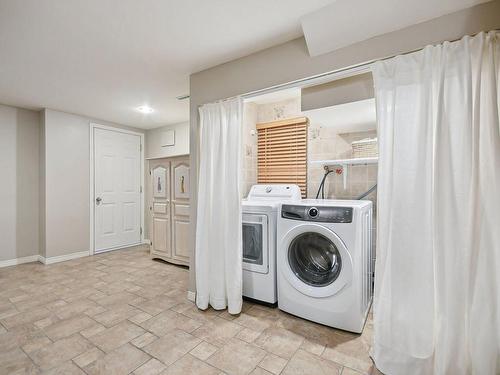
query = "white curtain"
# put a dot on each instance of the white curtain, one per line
(437, 275)
(218, 257)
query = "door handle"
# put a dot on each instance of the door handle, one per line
(98, 200)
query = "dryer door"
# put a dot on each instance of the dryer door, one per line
(315, 260)
(255, 243)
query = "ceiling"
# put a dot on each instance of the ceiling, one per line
(103, 59)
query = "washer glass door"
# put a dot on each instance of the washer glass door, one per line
(314, 259)
(255, 243)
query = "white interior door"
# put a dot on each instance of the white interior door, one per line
(117, 191)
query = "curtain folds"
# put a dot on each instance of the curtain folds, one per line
(218, 257)
(437, 279)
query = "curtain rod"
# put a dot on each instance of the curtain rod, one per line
(333, 75)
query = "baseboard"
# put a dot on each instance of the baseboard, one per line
(62, 258)
(191, 296)
(16, 261)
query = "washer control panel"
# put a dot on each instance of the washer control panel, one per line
(323, 214)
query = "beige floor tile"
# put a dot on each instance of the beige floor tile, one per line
(156, 305)
(273, 364)
(116, 336)
(348, 350)
(88, 357)
(151, 367)
(203, 350)
(45, 322)
(18, 336)
(68, 327)
(25, 317)
(304, 363)
(74, 308)
(217, 331)
(144, 339)
(258, 324)
(36, 344)
(140, 318)
(172, 346)
(124, 289)
(190, 365)
(115, 314)
(313, 347)
(93, 311)
(237, 357)
(248, 335)
(169, 321)
(350, 371)
(92, 330)
(182, 307)
(260, 371)
(67, 368)
(123, 360)
(15, 361)
(279, 341)
(117, 298)
(201, 315)
(61, 351)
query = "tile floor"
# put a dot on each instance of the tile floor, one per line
(121, 313)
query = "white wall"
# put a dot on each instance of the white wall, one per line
(66, 167)
(154, 148)
(19, 135)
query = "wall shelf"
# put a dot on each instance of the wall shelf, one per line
(343, 163)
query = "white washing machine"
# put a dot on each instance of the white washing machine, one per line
(324, 261)
(260, 210)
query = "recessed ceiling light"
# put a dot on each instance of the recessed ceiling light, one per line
(145, 109)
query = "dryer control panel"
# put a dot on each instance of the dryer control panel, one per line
(322, 214)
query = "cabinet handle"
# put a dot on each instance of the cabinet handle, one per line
(182, 184)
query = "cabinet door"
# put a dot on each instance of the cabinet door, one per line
(180, 180)
(180, 210)
(160, 209)
(181, 239)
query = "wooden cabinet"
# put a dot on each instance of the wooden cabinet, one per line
(170, 209)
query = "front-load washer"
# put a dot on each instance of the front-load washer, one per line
(324, 261)
(259, 239)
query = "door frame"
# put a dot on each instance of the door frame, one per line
(92, 127)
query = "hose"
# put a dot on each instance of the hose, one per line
(366, 192)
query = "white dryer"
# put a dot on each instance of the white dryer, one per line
(260, 210)
(324, 261)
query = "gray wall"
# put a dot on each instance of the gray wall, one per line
(153, 141)
(290, 61)
(19, 138)
(66, 169)
(346, 90)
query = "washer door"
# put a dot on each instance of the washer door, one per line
(255, 243)
(315, 260)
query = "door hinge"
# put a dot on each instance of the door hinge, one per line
(150, 172)
(141, 230)
(141, 189)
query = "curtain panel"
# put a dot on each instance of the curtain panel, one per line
(437, 279)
